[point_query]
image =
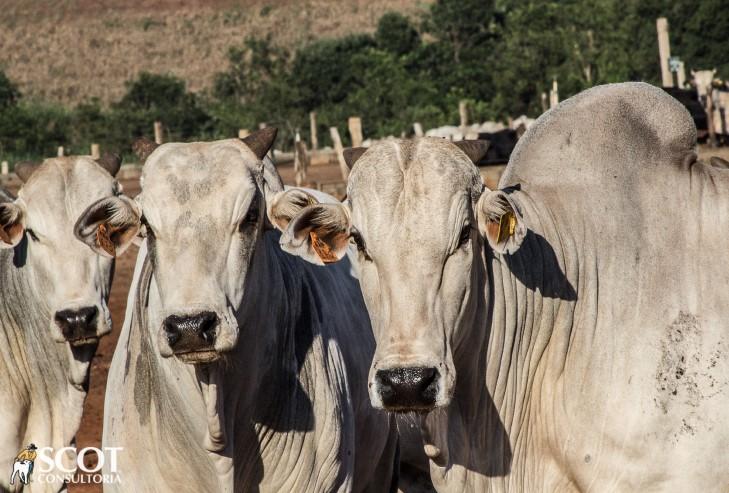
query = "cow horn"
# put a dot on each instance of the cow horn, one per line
(24, 169)
(352, 154)
(111, 162)
(143, 147)
(260, 141)
(474, 149)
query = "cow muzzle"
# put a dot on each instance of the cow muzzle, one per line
(192, 337)
(409, 389)
(79, 326)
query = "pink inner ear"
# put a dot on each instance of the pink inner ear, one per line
(11, 234)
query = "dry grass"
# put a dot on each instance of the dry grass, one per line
(71, 50)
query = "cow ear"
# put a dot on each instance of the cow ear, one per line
(109, 225)
(319, 233)
(261, 141)
(12, 224)
(500, 221)
(474, 149)
(284, 206)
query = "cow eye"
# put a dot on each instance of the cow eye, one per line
(360, 244)
(465, 236)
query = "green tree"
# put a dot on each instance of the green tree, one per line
(396, 34)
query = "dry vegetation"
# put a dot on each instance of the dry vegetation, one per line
(71, 50)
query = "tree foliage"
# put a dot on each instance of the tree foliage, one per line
(499, 55)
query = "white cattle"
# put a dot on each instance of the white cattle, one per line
(55, 289)
(239, 367)
(566, 332)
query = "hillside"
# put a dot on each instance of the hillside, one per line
(71, 50)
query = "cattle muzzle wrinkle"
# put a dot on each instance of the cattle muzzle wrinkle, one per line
(79, 326)
(408, 389)
(192, 337)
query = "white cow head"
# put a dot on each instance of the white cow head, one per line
(204, 213)
(418, 216)
(65, 206)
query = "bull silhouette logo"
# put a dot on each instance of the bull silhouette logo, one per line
(23, 465)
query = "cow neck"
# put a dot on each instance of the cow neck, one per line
(525, 301)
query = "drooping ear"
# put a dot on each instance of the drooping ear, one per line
(474, 149)
(500, 221)
(718, 162)
(109, 225)
(24, 169)
(143, 147)
(284, 206)
(352, 154)
(319, 233)
(261, 141)
(12, 224)
(111, 162)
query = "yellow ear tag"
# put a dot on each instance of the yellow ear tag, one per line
(507, 226)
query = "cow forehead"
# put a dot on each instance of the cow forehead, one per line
(210, 180)
(412, 182)
(62, 188)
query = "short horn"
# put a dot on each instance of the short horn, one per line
(352, 154)
(111, 162)
(261, 141)
(474, 149)
(25, 169)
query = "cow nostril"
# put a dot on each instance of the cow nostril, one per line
(77, 324)
(408, 388)
(207, 325)
(187, 329)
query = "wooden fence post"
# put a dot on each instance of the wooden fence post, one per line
(95, 151)
(418, 128)
(355, 130)
(339, 150)
(4, 168)
(545, 107)
(463, 113)
(60, 151)
(312, 131)
(664, 51)
(554, 94)
(158, 138)
(301, 163)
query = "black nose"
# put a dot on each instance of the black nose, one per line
(408, 389)
(191, 332)
(77, 324)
